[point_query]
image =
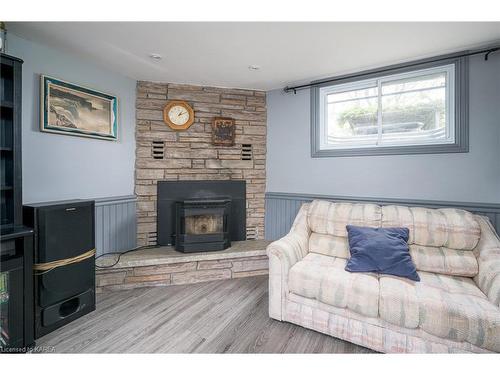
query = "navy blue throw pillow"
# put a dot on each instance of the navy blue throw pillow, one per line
(381, 250)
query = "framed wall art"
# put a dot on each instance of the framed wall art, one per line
(223, 131)
(67, 108)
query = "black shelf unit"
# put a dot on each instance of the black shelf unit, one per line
(16, 240)
(10, 141)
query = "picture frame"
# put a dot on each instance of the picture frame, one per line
(71, 109)
(223, 131)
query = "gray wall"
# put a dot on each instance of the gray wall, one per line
(467, 177)
(59, 167)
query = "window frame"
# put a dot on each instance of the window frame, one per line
(458, 95)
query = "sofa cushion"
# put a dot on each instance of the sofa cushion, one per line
(323, 278)
(331, 218)
(380, 250)
(326, 244)
(426, 258)
(444, 261)
(399, 216)
(445, 306)
(446, 227)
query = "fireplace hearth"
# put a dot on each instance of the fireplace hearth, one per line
(198, 216)
(202, 225)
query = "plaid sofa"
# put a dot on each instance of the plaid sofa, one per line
(454, 308)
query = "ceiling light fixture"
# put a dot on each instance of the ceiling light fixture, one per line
(155, 56)
(253, 67)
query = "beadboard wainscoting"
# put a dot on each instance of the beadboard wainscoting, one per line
(281, 209)
(115, 224)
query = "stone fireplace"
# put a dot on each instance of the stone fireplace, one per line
(166, 155)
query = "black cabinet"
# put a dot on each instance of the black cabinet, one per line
(10, 141)
(16, 241)
(16, 289)
(63, 230)
(11, 302)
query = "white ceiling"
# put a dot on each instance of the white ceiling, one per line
(218, 54)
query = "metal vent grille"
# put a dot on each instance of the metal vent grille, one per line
(158, 148)
(252, 233)
(246, 152)
(151, 238)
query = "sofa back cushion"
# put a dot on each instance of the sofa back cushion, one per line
(444, 261)
(326, 244)
(440, 240)
(331, 218)
(445, 227)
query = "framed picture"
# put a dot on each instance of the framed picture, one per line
(223, 131)
(70, 109)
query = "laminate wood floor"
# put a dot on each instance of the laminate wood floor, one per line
(229, 316)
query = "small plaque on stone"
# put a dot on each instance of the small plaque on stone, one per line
(223, 131)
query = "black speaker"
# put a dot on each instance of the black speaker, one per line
(63, 230)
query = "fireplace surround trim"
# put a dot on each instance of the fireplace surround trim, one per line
(171, 192)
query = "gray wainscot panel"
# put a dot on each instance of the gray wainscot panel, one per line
(115, 224)
(281, 209)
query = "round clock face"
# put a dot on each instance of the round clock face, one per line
(178, 115)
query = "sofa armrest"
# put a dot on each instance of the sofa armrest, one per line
(487, 253)
(283, 254)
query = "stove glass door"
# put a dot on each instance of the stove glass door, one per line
(204, 224)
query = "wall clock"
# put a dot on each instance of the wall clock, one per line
(178, 115)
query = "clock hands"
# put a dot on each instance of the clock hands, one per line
(178, 115)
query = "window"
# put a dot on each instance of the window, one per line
(403, 111)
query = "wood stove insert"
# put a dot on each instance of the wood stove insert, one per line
(224, 200)
(202, 225)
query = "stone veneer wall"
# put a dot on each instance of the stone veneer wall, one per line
(164, 154)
